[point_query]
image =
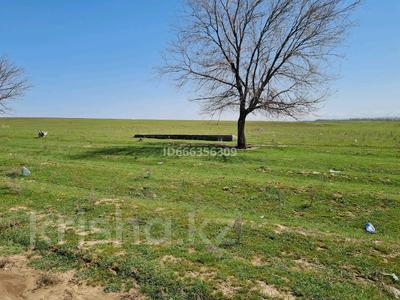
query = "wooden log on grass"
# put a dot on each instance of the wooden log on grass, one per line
(198, 137)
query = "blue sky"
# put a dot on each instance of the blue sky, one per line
(96, 58)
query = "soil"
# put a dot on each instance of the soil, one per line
(19, 281)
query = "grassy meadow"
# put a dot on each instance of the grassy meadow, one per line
(282, 220)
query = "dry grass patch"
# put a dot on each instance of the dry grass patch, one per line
(304, 265)
(258, 261)
(90, 244)
(228, 288)
(203, 273)
(271, 291)
(18, 208)
(108, 201)
(283, 229)
(170, 259)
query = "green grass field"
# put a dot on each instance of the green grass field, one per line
(283, 219)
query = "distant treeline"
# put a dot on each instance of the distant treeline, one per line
(361, 119)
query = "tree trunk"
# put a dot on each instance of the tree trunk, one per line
(241, 143)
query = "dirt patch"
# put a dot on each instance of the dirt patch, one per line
(272, 292)
(364, 280)
(4, 262)
(394, 291)
(18, 281)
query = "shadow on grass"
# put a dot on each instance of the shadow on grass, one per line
(151, 150)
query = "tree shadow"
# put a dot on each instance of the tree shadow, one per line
(148, 149)
(134, 151)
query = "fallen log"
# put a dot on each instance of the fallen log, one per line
(199, 137)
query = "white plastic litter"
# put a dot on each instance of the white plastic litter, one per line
(369, 228)
(42, 134)
(334, 171)
(25, 172)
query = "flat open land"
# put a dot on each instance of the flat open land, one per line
(162, 219)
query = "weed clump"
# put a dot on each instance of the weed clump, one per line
(4, 263)
(238, 229)
(13, 173)
(46, 280)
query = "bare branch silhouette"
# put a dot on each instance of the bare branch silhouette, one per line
(12, 83)
(258, 55)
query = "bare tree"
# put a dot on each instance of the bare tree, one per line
(253, 56)
(12, 82)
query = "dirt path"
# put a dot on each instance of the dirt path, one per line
(18, 281)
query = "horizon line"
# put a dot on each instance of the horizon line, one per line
(214, 120)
